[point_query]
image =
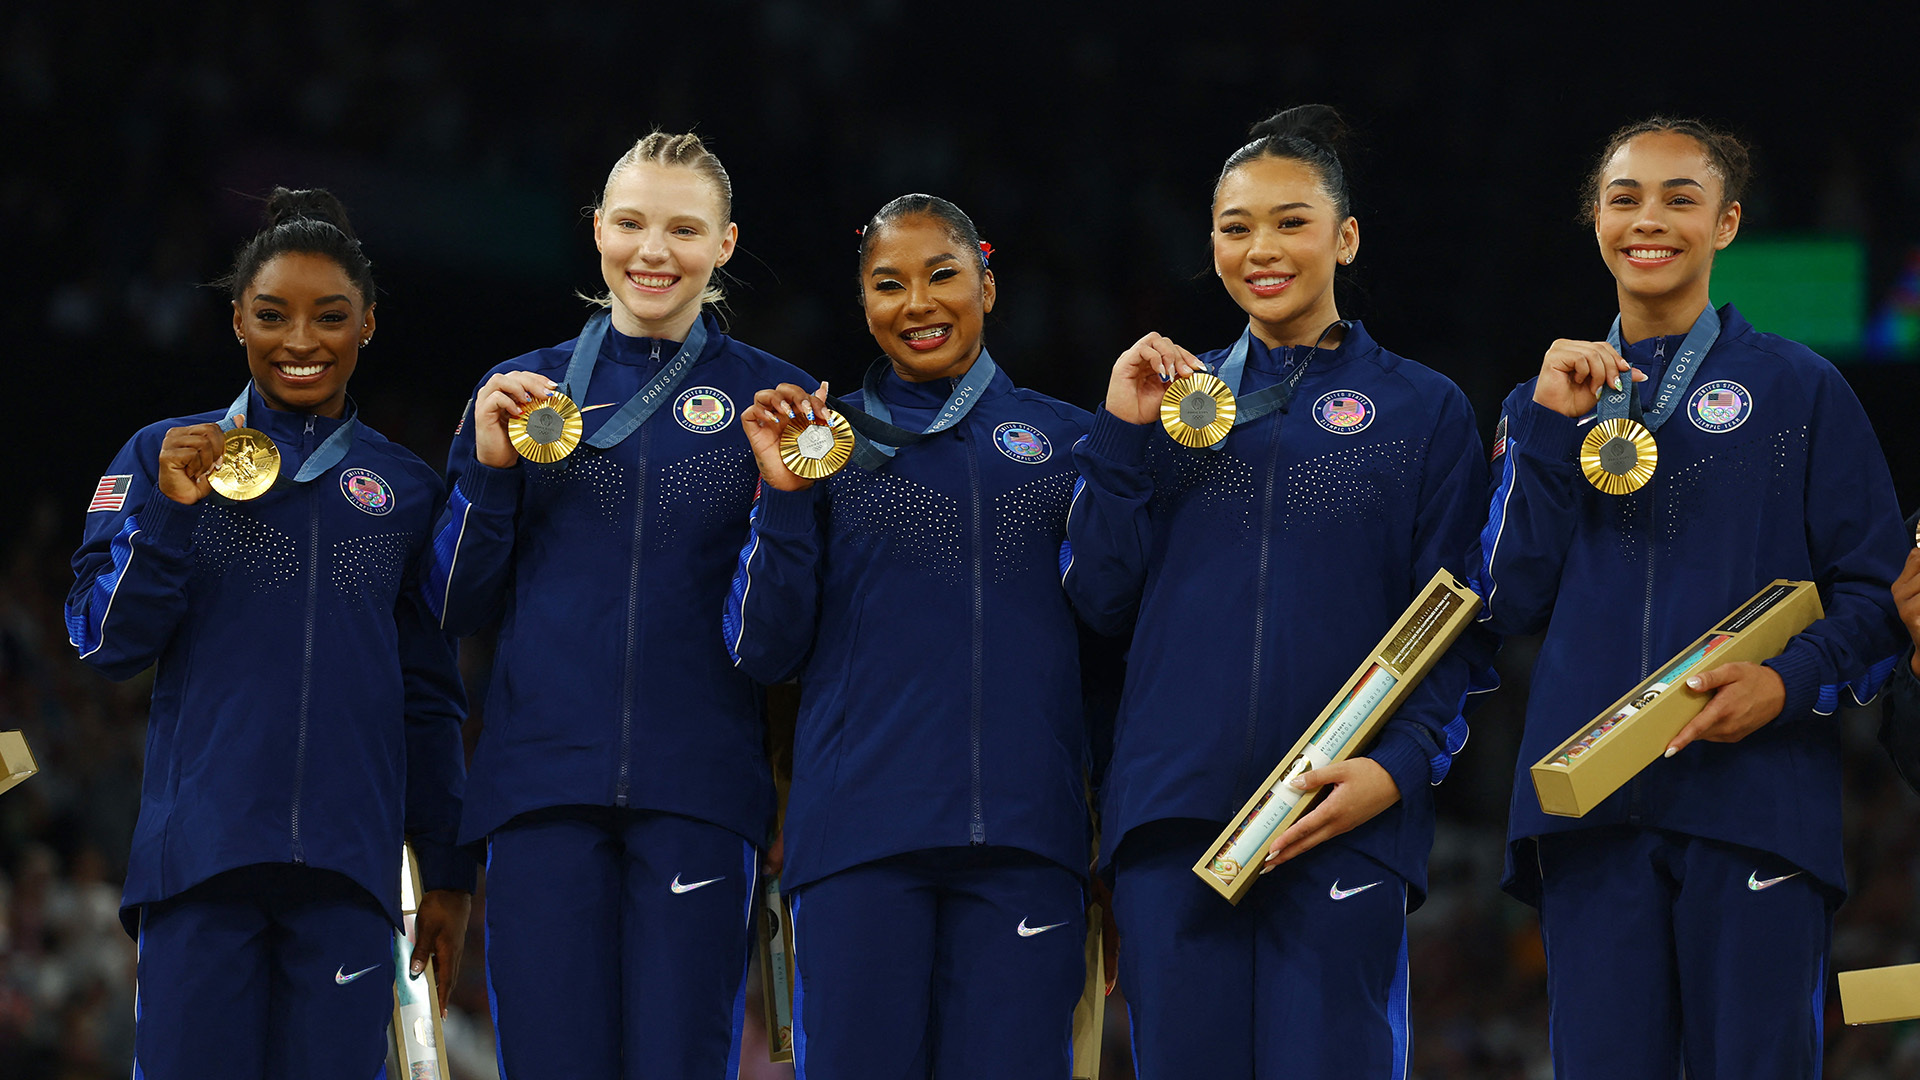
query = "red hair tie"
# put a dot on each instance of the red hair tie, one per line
(986, 252)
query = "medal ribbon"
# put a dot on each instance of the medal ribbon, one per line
(876, 436)
(1267, 399)
(326, 457)
(586, 354)
(1624, 403)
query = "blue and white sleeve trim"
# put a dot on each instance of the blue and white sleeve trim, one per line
(87, 626)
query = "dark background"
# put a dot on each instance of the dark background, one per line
(1084, 143)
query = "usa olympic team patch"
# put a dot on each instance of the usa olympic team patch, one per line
(1343, 412)
(1022, 443)
(1721, 405)
(367, 491)
(703, 410)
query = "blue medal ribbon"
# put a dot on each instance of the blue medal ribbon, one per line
(586, 354)
(1267, 399)
(877, 439)
(1624, 403)
(325, 457)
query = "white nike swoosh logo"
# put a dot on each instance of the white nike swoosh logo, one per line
(679, 888)
(1028, 931)
(1341, 894)
(603, 405)
(1754, 882)
(341, 978)
(1585, 420)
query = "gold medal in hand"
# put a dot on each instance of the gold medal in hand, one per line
(817, 451)
(1618, 456)
(547, 431)
(249, 464)
(1197, 410)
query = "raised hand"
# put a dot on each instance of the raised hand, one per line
(771, 411)
(1141, 375)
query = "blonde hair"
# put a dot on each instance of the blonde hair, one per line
(688, 152)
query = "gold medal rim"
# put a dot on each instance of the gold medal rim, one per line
(1633, 479)
(221, 478)
(817, 468)
(1197, 383)
(547, 453)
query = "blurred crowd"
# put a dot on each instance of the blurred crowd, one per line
(466, 146)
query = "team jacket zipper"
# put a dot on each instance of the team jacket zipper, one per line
(629, 687)
(977, 832)
(306, 658)
(1260, 606)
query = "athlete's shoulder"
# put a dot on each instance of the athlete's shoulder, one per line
(152, 435)
(1071, 414)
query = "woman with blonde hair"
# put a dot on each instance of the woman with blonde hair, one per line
(622, 781)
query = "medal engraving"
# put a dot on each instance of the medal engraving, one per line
(816, 451)
(249, 464)
(548, 431)
(1619, 456)
(1197, 410)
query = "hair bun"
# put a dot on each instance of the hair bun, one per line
(315, 204)
(1317, 124)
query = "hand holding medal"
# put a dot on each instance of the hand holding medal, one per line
(521, 414)
(188, 458)
(1141, 375)
(796, 439)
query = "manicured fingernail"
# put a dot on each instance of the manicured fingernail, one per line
(418, 967)
(1615, 383)
(1671, 750)
(810, 415)
(1693, 682)
(1297, 783)
(1267, 869)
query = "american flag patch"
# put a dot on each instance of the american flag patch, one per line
(111, 494)
(1499, 439)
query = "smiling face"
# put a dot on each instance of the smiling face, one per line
(1277, 238)
(1659, 220)
(660, 235)
(302, 321)
(926, 298)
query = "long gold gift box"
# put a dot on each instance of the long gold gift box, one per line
(419, 1044)
(16, 761)
(1423, 633)
(1880, 995)
(1632, 733)
(776, 970)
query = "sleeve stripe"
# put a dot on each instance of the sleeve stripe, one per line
(89, 636)
(1066, 545)
(733, 620)
(446, 555)
(1495, 528)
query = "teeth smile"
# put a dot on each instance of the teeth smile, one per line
(1651, 253)
(1266, 280)
(923, 335)
(653, 281)
(301, 371)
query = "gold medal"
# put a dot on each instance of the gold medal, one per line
(547, 431)
(1619, 456)
(817, 451)
(249, 463)
(1197, 410)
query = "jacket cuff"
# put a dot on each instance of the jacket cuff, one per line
(788, 512)
(1116, 440)
(445, 866)
(1542, 433)
(1404, 759)
(491, 489)
(1799, 671)
(168, 524)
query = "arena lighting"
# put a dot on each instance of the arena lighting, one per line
(1810, 288)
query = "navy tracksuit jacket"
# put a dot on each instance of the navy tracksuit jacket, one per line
(941, 700)
(1258, 576)
(610, 686)
(306, 709)
(1769, 470)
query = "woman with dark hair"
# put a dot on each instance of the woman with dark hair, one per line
(621, 781)
(937, 835)
(1255, 575)
(306, 710)
(1693, 907)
